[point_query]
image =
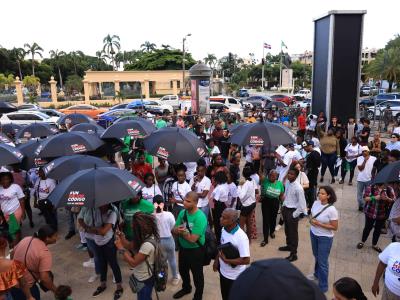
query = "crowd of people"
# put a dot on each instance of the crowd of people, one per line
(183, 206)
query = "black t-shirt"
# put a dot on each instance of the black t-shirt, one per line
(313, 162)
(367, 130)
(224, 146)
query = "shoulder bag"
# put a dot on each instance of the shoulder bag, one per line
(319, 213)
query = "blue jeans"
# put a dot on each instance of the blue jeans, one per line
(168, 245)
(205, 210)
(92, 248)
(18, 294)
(146, 291)
(360, 192)
(321, 247)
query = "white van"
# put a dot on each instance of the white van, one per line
(172, 100)
(305, 93)
(227, 100)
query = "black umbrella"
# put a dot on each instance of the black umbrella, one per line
(10, 128)
(262, 133)
(73, 119)
(175, 145)
(5, 139)
(36, 130)
(95, 187)
(68, 143)
(236, 126)
(62, 167)
(390, 173)
(9, 155)
(6, 107)
(88, 127)
(28, 150)
(277, 104)
(129, 118)
(135, 128)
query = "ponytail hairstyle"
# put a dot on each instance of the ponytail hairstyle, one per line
(44, 232)
(349, 288)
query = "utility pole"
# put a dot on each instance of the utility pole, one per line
(183, 61)
(263, 63)
(280, 69)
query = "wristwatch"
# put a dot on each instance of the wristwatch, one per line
(122, 251)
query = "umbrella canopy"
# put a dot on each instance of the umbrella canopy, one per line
(277, 104)
(10, 128)
(62, 167)
(95, 187)
(175, 145)
(9, 155)
(88, 128)
(73, 119)
(129, 118)
(68, 143)
(390, 173)
(28, 150)
(236, 126)
(262, 133)
(6, 107)
(134, 128)
(5, 139)
(36, 130)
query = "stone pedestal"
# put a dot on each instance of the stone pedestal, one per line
(146, 89)
(18, 88)
(53, 90)
(175, 86)
(86, 90)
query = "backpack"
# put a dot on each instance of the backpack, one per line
(210, 244)
(160, 270)
(115, 209)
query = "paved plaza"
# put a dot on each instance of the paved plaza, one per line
(345, 259)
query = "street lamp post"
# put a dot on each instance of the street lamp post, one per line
(183, 60)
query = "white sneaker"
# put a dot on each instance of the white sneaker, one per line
(311, 277)
(114, 279)
(175, 281)
(278, 227)
(93, 278)
(89, 263)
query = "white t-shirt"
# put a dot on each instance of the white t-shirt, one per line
(110, 217)
(352, 151)
(43, 188)
(317, 144)
(215, 150)
(396, 130)
(203, 185)
(365, 175)
(9, 198)
(287, 160)
(391, 257)
(165, 223)
(149, 193)
(247, 193)
(190, 169)
(233, 194)
(239, 240)
(179, 190)
(329, 214)
(221, 193)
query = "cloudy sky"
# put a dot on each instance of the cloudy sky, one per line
(217, 26)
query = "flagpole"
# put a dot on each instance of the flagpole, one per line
(263, 62)
(280, 69)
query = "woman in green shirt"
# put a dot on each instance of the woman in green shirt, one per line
(272, 191)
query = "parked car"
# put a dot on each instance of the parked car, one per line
(172, 100)
(227, 100)
(27, 117)
(394, 106)
(119, 106)
(48, 111)
(29, 106)
(218, 107)
(303, 103)
(156, 108)
(85, 109)
(368, 90)
(304, 93)
(288, 100)
(243, 93)
(107, 118)
(258, 100)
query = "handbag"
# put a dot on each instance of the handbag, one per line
(319, 213)
(135, 284)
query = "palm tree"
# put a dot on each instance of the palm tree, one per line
(75, 56)
(211, 59)
(58, 56)
(19, 55)
(101, 58)
(166, 47)
(148, 47)
(110, 44)
(386, 66)
(33, 50)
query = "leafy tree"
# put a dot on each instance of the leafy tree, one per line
(58, 56)
(18, 54)
(211, 60)
(6, 80)
(111, 45)
(148, 47)
(73, 83)
(30, 81)
(44, 72)
(76, 57)
(33, 49)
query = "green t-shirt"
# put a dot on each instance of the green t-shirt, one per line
(271, 190)
(148, 158)
(161, 124)
(129, 209)
(127, 144)
(197, 224)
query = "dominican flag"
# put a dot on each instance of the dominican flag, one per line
(267, 46)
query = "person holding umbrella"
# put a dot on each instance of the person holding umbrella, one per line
(140, 167)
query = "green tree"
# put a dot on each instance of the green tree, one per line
(111, 45)
(6, 81)
(58, 56)
(33, 49)
(76, 59)
(31, 82)
(148, 47)
(73, 83)
(18, 54)
(211, 60)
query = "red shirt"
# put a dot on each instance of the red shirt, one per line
(301, 120)
(140, 170)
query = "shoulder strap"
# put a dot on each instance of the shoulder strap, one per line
(185, 218)
(26, 253)
(322, 210)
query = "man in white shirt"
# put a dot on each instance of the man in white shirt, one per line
(231, 268)
(42, 189)
(293, 206)
(365, 163)
(285, 161)
(201, 184)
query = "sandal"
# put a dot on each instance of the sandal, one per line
(263, 243)
(377, 249)
(99, 290)
(360, 245)
(118, 294)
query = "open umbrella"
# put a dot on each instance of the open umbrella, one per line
(6, 107)
(129, 118)
(88, 127)
(236, 126)
(73, 119)
(36, 130)
(9, 155)
(175, 145)
(5, 139)
(390, 173)
(68, 143)
(277, 104)
(135, 128)
(28, 150)
(10, 128)
(95, 187)
(262, 133)
(62, 167)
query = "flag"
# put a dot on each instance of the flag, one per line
(283, 45)
(267, 46)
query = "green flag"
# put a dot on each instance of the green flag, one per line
(283, 44)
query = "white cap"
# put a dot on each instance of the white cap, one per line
(364, 148)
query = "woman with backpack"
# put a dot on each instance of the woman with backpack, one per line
(140, 253)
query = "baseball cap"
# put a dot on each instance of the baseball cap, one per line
(307, 143)
(274, 279)
(364, 148)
